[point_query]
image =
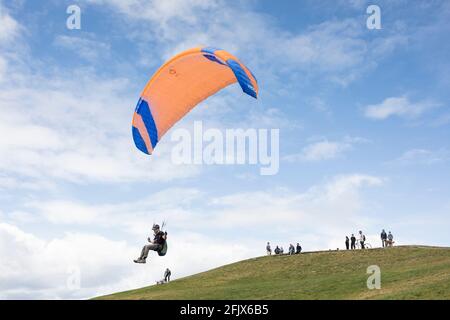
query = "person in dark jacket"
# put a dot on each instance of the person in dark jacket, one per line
(159, 238)
(353, 242)
(298, 249)
(277, 250)
(167, 275)
(347, 242)
(383, 238)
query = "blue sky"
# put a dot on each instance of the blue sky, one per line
(363, 118)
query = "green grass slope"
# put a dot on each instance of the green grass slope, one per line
(409, 272)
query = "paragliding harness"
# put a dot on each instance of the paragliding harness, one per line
(162, 252)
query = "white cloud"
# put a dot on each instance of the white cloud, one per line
(321, 214)
(423, 157)
(398, 106)
(356, 4)
(30, 136)
(89, 49)
(189, 211)
(75, 129)
(160, 12)
(332, 45)
(132, 217)
(9, 27)
(76, 126)
(346, 184)
(34, 268)
(334, 50)
(3, 68)
(10, 32)
(324, 150)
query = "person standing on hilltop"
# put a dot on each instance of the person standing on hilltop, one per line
(291, 249)
(362, 239)
(383, 238)
(167, 275)
(353, 242)
(268, 249)
(347, 242)
(390, 239)
(298, 249)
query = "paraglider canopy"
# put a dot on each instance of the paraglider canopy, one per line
(179, 85)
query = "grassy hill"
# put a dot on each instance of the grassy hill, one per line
(409, 272)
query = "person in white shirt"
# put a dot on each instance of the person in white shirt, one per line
(362, 239)
(268, 249)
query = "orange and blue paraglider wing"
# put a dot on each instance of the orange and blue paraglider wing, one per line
(179, 85)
